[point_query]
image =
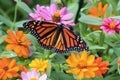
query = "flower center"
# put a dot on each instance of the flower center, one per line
(33, 79)
(112, 25)
(19, 42)
(82, 65)
(56, 17)
(5, 68)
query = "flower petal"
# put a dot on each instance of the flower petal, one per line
(24, 76)
(67, 16)
(8, 40)
(70, 23)
(63, 11)
(53, 8)
(11, 35)
(19, 35)
(43, 77)
(10, 46)
(81, 75)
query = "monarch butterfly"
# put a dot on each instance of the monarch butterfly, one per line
(55, 36)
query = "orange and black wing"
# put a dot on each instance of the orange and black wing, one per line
(69, 41)
(44, 32)
(55, 36)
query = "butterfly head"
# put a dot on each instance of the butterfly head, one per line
(60, 25)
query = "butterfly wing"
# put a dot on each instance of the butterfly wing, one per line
(69, 41)
(49, 36)
(43, 31)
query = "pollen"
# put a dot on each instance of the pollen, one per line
(56, 17)
(33, 79)
(112, 25)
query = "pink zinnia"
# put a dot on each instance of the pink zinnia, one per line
(52, 14)
(37, 13)
(32, 75)
(110, 25)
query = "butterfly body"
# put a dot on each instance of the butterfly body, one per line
(55, 36)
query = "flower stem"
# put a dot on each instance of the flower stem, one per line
(101, 41)
(102, 37)
(15, 17)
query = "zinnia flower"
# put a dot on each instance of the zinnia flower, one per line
(97, 11)
(82, 65)
(52, 14)
(18, 43)
(8, 68)
(23, 68)
(32, 75)
(110, 25)
(37, 15)
(103, 66)
(39, 65)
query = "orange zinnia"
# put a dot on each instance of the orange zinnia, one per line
(97, 11)
(18, 43)
(82, 65)
(23, 68)
(8, 68)
(103, 66)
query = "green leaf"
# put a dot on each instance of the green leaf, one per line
(33, 41)
(8, 54)
(97, 47)
(90, 20)
(20, 23)
(58, 58)
(108, 12)
(117, 51)
(5, 20)
(118, 6)
(61, 76)
(112, 77)
(24, 6)
(116, 17)
(73, 8)
(89, 5)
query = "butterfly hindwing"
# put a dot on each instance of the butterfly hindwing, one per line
(69, 41)
(73, 41)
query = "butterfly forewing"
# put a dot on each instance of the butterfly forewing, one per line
(43, 31)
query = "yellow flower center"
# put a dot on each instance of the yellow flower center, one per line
(56, 17)
(112, 25)
(33, 79)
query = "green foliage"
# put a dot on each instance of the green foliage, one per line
(14, 13)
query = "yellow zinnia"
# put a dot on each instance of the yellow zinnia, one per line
(82, 65)
(39, 65)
